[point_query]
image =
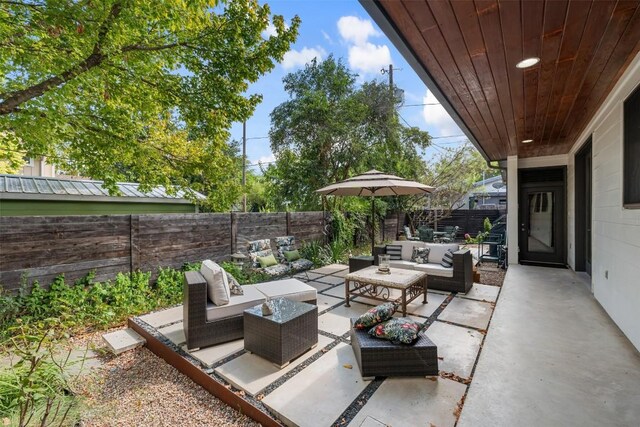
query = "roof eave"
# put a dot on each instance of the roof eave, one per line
(379, 15)
(81, 198)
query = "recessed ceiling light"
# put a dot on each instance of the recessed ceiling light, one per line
(529, 62)
(527, 141)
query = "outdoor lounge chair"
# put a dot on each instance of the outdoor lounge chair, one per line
(409, 235)
(450, 237)
(207, 324)
(288, 243)
(262, 248)
(426, 234)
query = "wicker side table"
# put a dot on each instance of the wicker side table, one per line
(290, 331)
(381, 358)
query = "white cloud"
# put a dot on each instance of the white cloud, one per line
(436, 116)
(369, 58)
(356, 30)
(364, 57)
(269, 31)
(327, 37)
(297, 58)
(266, 159)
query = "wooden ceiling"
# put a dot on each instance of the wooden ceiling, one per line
(470, 49)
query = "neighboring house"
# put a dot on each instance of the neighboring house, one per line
(550, 91)
(38, 166)
(490, 193)
(26, 195)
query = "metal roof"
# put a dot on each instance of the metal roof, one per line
(45, 188)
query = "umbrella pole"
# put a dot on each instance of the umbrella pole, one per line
(373, 225)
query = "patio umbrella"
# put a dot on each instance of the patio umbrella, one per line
(375, 183)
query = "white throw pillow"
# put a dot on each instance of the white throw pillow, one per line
(217, 283)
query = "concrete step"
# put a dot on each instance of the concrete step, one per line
(123, 340)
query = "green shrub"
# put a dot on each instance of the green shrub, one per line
(35, 389)
(335, 251)
(312, 250)
(245, 275)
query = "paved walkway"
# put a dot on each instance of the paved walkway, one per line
(552, 357)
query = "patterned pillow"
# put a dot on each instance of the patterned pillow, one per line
(420, 255)
(254, 257)
(400, 330)
(447, 259)
(375, 315)
(285, 241)
(395, 251)
(259, 245)
(234, 286)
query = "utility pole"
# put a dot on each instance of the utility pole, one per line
(244, 166)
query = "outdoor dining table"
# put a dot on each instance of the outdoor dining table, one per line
(371, 283)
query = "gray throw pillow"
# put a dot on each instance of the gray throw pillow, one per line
(420, 255)
(394, 251)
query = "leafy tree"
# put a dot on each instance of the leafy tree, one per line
(11, 157)
(114, 89)
(453, 173)
(331, 129)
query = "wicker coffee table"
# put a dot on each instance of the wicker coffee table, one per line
(290, 331)
(369, 283)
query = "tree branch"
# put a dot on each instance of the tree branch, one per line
(13, 100)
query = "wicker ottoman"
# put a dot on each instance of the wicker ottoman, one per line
(382, 358)
(359, 262)
(291, 330)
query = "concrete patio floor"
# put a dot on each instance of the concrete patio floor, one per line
(324, 385)
(552, 357)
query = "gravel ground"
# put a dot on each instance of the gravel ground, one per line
(490, 274)
(139, 389)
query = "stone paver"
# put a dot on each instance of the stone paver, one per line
(174, 333)
(319, 286)
(434, 300)
(458, 347)
(336, 291)
(163, 317)
(308, 276)
(252, 373)
(337, 322)
(77, 362)
(325, 301)
(331, 280)
(413, 402)
(319, 393)
(467, 312)
(123, 340)
(372, 422)
(482, 293)
(341, 273)
(330, 269)
(211, 355)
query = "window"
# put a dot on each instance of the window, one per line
(28, 161)
(631, 152)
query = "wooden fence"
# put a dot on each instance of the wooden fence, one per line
(43, 247)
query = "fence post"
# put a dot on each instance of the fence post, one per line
(288, 220)
(134, 248)
(234, 232)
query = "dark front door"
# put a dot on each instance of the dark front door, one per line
(542, 217)
(583, 209)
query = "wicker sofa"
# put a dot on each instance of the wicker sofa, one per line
(456, 279)
(206, 324)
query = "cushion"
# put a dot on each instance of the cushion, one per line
(434, 269)
(237, 304)
(285, 241)
(301, 264)
(234, 286)
(407, 247)
(447, 259)
(259, 245)
(407, 265)
(217, 284)
(277, 270)
(395, 251)
(437, 250)
(291, 255)
(255, 263)
(292, 289)
(375, 315)
(400, 330)
(420, 255)
(267, 260)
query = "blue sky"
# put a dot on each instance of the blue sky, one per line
(342, 28)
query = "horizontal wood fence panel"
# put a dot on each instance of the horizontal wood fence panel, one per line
(43, 247)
